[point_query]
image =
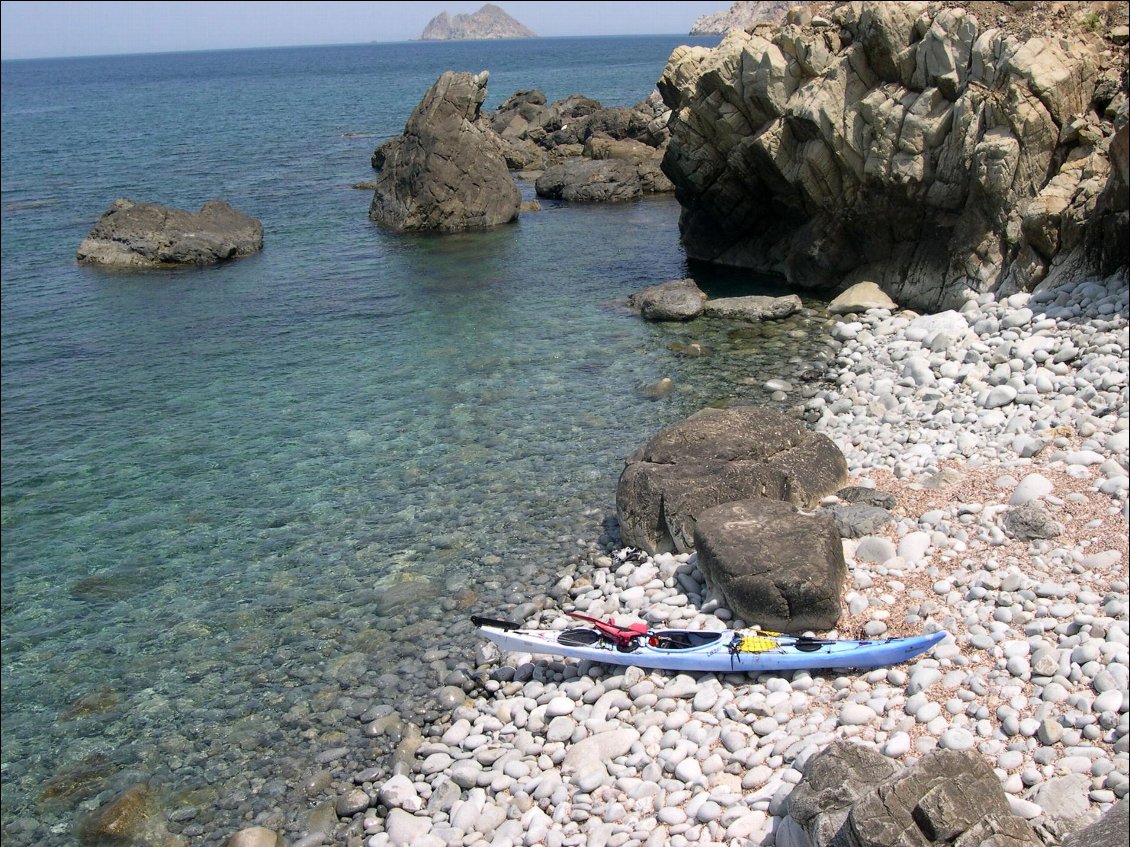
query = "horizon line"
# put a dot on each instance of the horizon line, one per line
(188, 51)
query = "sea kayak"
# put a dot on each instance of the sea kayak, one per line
(726, 651)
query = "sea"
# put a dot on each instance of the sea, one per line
(241, 504)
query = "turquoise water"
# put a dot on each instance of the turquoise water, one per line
(219, 485)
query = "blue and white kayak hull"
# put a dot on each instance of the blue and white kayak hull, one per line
(724, 653)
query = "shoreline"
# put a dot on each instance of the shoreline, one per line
(707, 759)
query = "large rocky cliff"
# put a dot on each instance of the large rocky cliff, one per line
(917, 145)
(487, 23)
(741, 15)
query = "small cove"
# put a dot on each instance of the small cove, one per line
(228, 494)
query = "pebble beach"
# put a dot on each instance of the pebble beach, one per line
(1001, 430)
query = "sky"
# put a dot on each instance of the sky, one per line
(30, 30)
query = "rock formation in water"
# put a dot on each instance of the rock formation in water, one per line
(910, 144)
(742, 15)
(588, 152)
(142, 235)
(489, 22)
(446, 172)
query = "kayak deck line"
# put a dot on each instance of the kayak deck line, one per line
(725, 650)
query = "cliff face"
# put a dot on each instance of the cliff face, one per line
(742, 15)
(905, 143)
(489, 22)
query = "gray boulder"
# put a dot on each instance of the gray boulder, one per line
(1065, 802)
(1030, 522)
(946, 798)
(143, 235)
(855, 520)
(590, 181)
(753, 308)
(867, 496)
(677, 300)
(834, 780)
(1108, 831)
(774, 566)
(446, 173)
(719, 456)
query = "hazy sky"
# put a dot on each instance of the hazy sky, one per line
(42, 29)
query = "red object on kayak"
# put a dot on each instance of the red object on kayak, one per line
(622, 635)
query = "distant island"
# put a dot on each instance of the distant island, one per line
(489, 22)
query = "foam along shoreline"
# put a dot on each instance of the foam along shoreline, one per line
(965, 417)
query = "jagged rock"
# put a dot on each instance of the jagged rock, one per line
(947, 796)
(678, 300)
(753, 308)
(490, 22)
(535, 135)
(1108, 831)
(834, 779)
(773, 565)
(742, 15)
(848, 798)
(1065, 803)
(590, 181)
(940, 153)
(143, 235)
(720, 456)
(446, 172)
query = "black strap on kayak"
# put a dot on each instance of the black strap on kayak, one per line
(479, 620)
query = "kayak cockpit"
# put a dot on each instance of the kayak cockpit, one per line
(682, 639)
(671, 639)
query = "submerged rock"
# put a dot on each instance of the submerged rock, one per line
(134, 817)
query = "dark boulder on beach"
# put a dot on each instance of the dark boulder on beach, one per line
(446, 173)
(143, 235)
(720, 456)
(849, 797)
(774, 566)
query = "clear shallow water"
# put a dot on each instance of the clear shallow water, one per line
(220, 485)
